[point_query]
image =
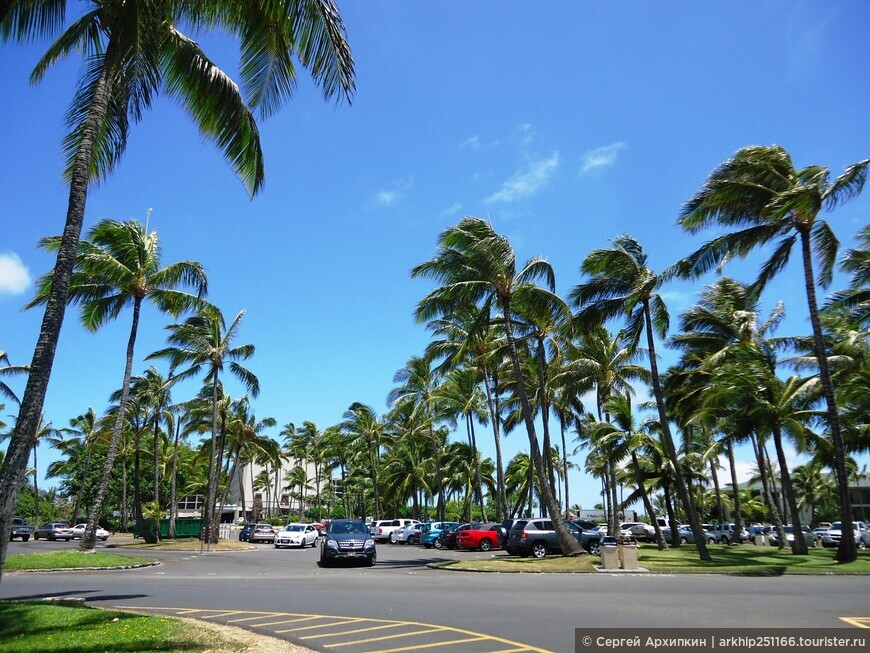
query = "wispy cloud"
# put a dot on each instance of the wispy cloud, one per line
(473, 142)
(451, 210)
(527, 182)
(601, 157)
(390, 196)
(14, 276)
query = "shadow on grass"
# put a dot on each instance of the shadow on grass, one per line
(744, 559)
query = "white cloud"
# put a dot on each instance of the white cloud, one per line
(451, 211)
(527, 182)
(14, 276)
(601, 157)
(387, 197)
(473, 142)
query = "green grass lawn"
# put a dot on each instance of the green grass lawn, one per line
(40, 628)
(68, 560)
(185, 544)
(746, 559)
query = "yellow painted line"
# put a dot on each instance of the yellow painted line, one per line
(352, 632)
(334, 623)
(286, 621)
(238, 621)
(380, 639)
(860, 622)
(223, 614)
(435, 644)
(188, 611)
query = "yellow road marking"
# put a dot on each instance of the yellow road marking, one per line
(259, 616)
(435, 644)
(334, 623)
(286, 621)
(860, 622)
(223, 614)
(352, 632)
(380, 639)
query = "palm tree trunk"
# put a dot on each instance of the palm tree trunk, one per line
(682, 491)
(208, 508)
(567, 542)
(490, 385)
(157, 456)
(848, 549)
(80, 493)
(545, 412)
(799, 547)
(35, 487)
(715, 474)
(476, 465)
(438, 472)
(738, 525)
(173, 499)
(89, 539)
(374, 469)
(672, 517)
(23, 438)
(765, 489)
(565, 462)
(614, 502)
(647, 504)
(124, 511)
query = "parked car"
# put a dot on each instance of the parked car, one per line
(430, 537)
(758, 530)
(820, 533)
(483, 537)
(686, 535)
(300, 535)
(638, 530)
(447, 539)
(809, 536)
(20, 529)
(381, 530)
(347, 539)
(54, 531)
(724, 533)
(537, 537)
(408, 534)
(262, 533)
(245, 533)
(835, 532)
(79, 532)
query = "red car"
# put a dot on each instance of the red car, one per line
(481, 537)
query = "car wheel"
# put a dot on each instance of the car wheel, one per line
(314, 542)
(594, 548)
(324, 562)
(24, 538)
(66, 539)
(539, 550)
(684, 540)
(723, 539)
(862, 544)
(373, 560)
(413, 540)
(711, 541)
(35, 536)
(52, 538)
(485, 545)
(438, 544)
(241, 539)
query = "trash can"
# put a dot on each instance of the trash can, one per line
(609, 553)
(628, 555)
(760, 539)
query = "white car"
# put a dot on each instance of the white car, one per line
(79, 531)
(638, 530)
(407, 534)
(300, 535)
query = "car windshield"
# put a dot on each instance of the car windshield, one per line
(348, 527)
(294, 528)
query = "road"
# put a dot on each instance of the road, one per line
(285, 592)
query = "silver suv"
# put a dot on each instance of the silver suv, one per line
(724, 533)
(381, 530)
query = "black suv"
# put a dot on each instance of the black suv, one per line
(538, 538)
(347, 539)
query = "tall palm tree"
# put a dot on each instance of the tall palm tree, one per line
(621, 284)
(765, 198)
(205, 341)
(855, 300)
(475, 264)
(133, 52)
(118, 265)
(363, 423)
(85, 430)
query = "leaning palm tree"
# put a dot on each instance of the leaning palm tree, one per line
(476, 265)
(621, 284)
(117, 266)
(205, 341)
(133, 52)
(765, 198)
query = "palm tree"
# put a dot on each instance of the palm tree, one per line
(205, 341)
(132, 52)
(621, 284)
(760, 193)
(119, 265)
(362, 422)
(83, 429)
(855, 300)
(476, 265)
(10, 370)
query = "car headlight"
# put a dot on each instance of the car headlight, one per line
(368, 543)
(331, 544)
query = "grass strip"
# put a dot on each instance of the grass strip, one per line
(184, 544)
(68, 560)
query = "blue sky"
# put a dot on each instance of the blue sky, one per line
(565, 127)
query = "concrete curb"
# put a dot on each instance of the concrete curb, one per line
(138, 565)
(647, 572)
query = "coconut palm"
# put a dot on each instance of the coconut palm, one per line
(476, 265)
(369, 433)
(205, 341)
(132, 53)
(10, 370)
(856, 300)
(117, 266)
(765, 198)
(85, 430)
(621, 284)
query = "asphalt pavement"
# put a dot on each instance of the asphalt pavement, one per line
(400, 605)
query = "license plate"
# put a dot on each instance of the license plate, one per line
(352, 555)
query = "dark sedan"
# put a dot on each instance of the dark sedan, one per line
(448, 538)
